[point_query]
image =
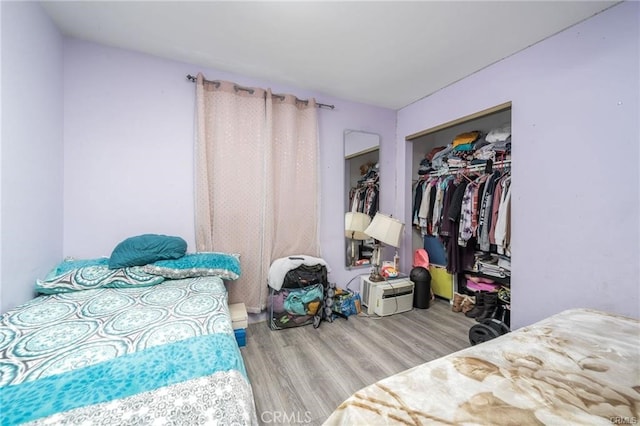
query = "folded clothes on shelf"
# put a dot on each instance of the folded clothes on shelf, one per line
(482, 286)
(492, 264)
(505, 263)
(493, 270)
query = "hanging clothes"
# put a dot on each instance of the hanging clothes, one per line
(503, 225)
(484, 219)
(464, 212)
(364, 197)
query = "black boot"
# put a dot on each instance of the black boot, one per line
(479, 306)
(490, 307)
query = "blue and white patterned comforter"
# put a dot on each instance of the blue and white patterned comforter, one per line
(164, 354)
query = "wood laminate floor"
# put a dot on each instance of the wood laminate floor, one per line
(300, 375)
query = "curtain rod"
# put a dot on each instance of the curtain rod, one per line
(250, 90)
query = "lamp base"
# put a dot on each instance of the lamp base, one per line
(375, 261)
(375, 277)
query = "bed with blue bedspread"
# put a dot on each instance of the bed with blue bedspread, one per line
(136, 345)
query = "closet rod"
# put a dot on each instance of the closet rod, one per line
(473, 168)
(250, 90)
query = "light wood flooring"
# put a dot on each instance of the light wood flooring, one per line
(300, 375)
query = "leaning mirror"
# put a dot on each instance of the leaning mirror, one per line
(361, 150)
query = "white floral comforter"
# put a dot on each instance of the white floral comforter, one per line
(579, 367)
(164, 354)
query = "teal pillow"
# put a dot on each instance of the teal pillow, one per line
(147, 248)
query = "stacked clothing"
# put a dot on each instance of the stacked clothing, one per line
(497, 144)
(500, 136)
(440, 158)
(468, 149)
(463, 148)
(465, 141)
(493, 265)
(425, 164)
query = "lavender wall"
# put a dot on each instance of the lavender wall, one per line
(32, 154)
(575, 127)
(128, 123)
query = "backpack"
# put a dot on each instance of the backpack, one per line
(305, 275)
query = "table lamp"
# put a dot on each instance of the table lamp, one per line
(383, 229)
(354, 225)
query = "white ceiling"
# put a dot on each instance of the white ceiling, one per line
(388, 54)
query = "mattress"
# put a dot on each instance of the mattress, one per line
(577, 367)
(163, 354)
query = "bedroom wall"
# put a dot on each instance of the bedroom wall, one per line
(128, 123)
(31, 146)
(575, 122)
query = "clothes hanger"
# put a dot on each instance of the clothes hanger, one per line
(464, 175)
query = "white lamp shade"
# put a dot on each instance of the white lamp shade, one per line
(386, 229)
(354, 225)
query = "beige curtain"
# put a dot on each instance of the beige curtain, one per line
(294, 142)
(256, 162)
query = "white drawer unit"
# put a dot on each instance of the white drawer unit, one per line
(239, 317)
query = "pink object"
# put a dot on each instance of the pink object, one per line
(479, 279)
(472, 285)
(421, 258)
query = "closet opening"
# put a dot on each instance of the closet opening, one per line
(460, 208)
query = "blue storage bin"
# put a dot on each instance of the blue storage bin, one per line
(435, 249)
(241, 336)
